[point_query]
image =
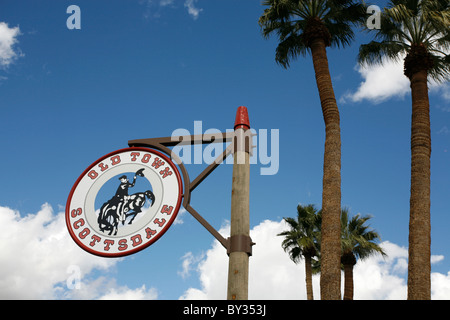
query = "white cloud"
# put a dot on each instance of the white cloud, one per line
(271, 272)
(180, 216)
(446, 93)
(106, 288)
(189, 260)
(48, 260)
(440, 286)
(381, 82)
(38, 259)
(444, 90)
(164, 3)
(384, 81)
(8, 38)
(192, 10)
(124, 293)
(436, 258)
(272, 275)
(213, 270)
(378, 278)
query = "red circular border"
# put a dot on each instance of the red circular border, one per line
(150, 242)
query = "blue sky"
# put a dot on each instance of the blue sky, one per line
(144, 68)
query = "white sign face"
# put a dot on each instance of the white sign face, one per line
(124, 202)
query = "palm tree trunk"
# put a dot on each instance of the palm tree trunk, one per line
(308, 271)
(330, 276)
(419, 267)
(348, 281)
(348, 260)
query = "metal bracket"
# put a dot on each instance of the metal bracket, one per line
(238, 243)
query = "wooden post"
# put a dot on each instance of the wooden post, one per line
(240, 242)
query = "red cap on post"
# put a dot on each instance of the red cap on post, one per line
(242, 119)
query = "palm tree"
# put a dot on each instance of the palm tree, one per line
(301, 240)
(419, 31)
(311, 26)
(358, 242)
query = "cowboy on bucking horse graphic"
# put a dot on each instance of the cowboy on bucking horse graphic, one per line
(121, 206)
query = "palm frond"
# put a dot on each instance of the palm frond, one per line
(288, 20)
(357, 237)
(410, 23)
(301, 237)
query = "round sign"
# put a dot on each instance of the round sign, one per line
(124, 202)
